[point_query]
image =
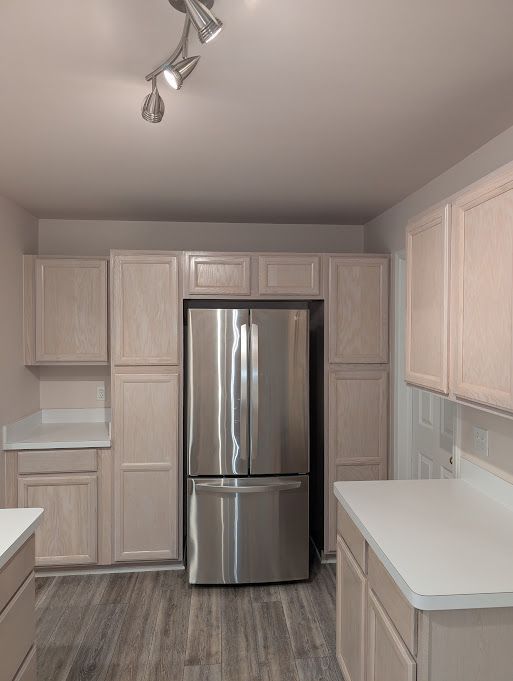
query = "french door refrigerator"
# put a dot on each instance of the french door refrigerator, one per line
(247, 445)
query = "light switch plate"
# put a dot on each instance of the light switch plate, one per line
(480, 441)
(100, 393)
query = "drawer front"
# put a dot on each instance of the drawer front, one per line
(219, 275)
(401, 613)
(17, 630)
(352, 537)
(28, 671)
(289, 275)
(14, 573)
(57, 461)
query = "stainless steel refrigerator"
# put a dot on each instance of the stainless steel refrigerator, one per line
(247, 445)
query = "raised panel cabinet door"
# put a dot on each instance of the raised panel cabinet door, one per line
(71, 310)
(219, 274)
(427, 300)
(358, 431)
(387, 657)
(482, 312)
(289, 275)
(146, 430)
(358, 310)
(146, 309)
(68, 531)
(351, 613)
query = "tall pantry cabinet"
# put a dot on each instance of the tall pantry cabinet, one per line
(357, 334)
(146, 382)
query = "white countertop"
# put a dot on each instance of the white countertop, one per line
(16, 526)
(60, 429)
(446, 544)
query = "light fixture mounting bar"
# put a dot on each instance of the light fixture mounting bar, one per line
(176, 53)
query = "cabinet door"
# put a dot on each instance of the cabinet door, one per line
(289, 275)
(358, 310)
(358, 431)
(71, 310)
(427, 300)
(351, 590)
(219, 274)
(146, 447)
(388, 658)
(482, 313)
(67, 534)
(146, 312)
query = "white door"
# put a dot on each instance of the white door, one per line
(432, 436)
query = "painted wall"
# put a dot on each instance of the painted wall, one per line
(73, 387)
(19, 386)
(97, 237)
(385, 234)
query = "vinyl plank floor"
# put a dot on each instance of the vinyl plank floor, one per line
(154, 626)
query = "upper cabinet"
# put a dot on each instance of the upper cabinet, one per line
(358, 309)
(427, 300)
(65, 310)
(289, 275)
(218, 274)
(482, 313)
(146, 309)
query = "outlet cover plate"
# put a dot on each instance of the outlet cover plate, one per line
(480, 441)
(100, 393)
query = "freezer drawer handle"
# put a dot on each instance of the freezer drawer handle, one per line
(246, 489)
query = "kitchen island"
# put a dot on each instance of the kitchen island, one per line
(424, 581)
(17, 593)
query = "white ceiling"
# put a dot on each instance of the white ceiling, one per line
(301, 111)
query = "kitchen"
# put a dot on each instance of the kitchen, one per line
(250, 438)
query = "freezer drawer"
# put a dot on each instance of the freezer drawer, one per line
(248, 530)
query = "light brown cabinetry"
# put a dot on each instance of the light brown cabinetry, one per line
(427, 300)
(358, 310)
(218, 274)
(147, 494)
(289, 275)
(146, 314)
(65, 310)
(358, 429)
(67, 534)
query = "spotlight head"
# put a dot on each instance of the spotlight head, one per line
(178, 72)
(205, 22)
(153, 106)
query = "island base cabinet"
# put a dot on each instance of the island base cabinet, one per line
(351, 589)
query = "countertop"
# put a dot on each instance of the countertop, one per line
(60, 429)
(447, 544)
(16, 526)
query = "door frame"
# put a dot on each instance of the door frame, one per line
(401, 392)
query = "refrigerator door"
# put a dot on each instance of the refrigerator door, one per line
(279, 415)
(217, 392)
(247, 530)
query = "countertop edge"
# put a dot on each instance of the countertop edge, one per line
(422, 601)
(21, 539)
(78, 444)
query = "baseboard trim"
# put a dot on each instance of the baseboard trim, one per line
(108, 569)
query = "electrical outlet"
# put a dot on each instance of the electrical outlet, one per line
(100, 393)
(480, 441)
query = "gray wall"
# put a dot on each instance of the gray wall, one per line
(385, 234)
(97, 237)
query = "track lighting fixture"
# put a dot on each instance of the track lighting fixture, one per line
(179, 65)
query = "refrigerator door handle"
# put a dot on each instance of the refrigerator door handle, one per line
(254, 392)
(244, 392)
(219, 488)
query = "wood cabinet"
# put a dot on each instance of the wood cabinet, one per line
(147, 493)
(218, 274)
(350, 617)
(289, 275)
(147, 317)
(17, 631)
(358, 309)
(65, 310)
(67, 534)
(482, 313)
(427, 300)
(358, 430)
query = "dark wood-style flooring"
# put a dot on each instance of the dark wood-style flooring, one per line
(152, 626)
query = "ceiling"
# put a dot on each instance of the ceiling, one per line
(319, 111)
